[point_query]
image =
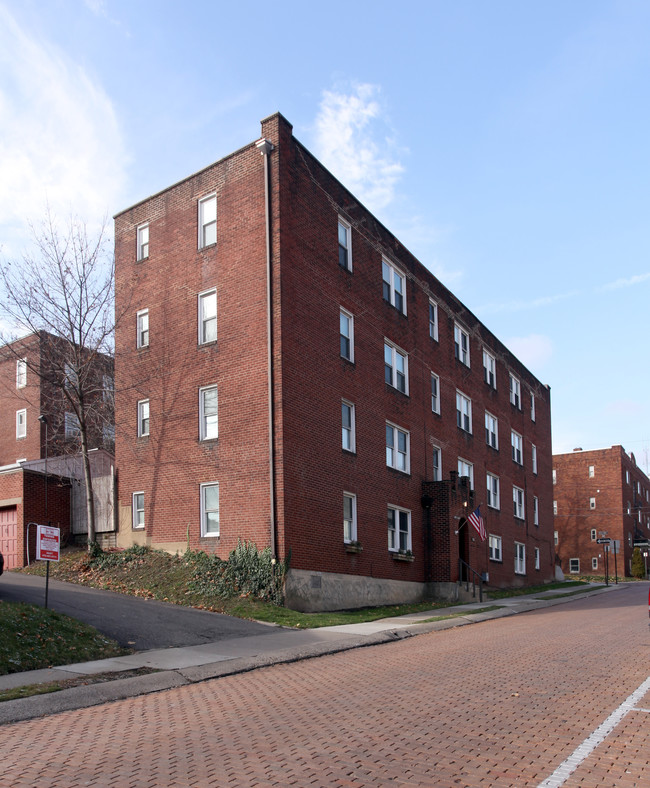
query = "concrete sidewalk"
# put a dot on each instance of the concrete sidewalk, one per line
(179, 666)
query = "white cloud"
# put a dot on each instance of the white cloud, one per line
(60, 141)
(349, 141)
(534, 351)
(519, 306)
(629, 282)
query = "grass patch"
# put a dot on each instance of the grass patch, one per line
(56, 686)
(34, 637)
(461, 613)
(510, 592)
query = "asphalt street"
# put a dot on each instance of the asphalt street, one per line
(140, 624)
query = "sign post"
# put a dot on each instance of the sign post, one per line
(48, 545)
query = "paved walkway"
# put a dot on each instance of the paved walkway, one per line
(180, 666)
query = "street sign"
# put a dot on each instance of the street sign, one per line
(603, 541)
(48, 543)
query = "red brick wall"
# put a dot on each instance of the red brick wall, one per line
(13, 399)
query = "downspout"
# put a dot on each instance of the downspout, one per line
(265, 147)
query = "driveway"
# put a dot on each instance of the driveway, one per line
(141, 624)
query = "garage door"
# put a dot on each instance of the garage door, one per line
(8, 537)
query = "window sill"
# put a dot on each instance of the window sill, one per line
(408, 557)
(207, 246)
(496, 560)
(349, 452)
(394, 388)
(353, 547)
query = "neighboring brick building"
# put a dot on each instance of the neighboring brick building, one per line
(600, 493)
(386, 392)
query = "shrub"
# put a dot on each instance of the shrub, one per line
(638, 564)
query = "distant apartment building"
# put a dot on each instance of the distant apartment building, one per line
(293, 376)
(599, 494)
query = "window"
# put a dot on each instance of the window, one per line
(207, 316)
(493, 497)
(594, 535)
(520, 558)
(399, 529)
(574, 566)
(463, 412)
(21, 373)
(554, 476)
(70, 376)
(72, 428)
(433, 320)
(627, 477)
(108, 389)
(349, 517)
(435, 393)
(345, 245)
(534, 453)
(532, 414)
(537, 558)
(466, 469)
(516, 443)
(461, 344)
(518, 502)
(395, 367)
(208, 221)
(594, 563)
(494, 548)
(491, 430)
(437, 464)
(21, 423)
(137, 509)
(592, 503)
(515, 391)
(394, 286)
(397, 448)
(143, 418)
(142, 326)
(556, 538)
(142, 234)
(347, 426)
(208, 413)
(555, 507)
(490, 369)
(535, 510)
(346, 322)
(210, 509)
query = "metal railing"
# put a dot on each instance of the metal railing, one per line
(468, 575)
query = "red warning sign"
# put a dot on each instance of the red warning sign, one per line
(48, 543)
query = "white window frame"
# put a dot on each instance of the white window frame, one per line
(436, 464)
(493, 491)
(348, 433)
(396, 515)
(142, 242)
(535, 510)
(208, 431)
(136, 510)
(556, 538)
(518, 503)
(594, 563)
(591, 471)
(344, 315)
(532, 406)
(433, 319)
(21, 373)
(207, 225)
(391, 373)
(205, 511)
(517, 445)
(463, 412)
(206, 319)
(491, 430)
(554, 476)
(391, 278)
(555, 508)
(466, 468)
(143, 418)
(489, 369)
(534, 457)
(435, 393)
(21, 423)
(515, 391)
(345, 249)
(350, 522)
(520, 558)
(574, 566)
(396, 458)
(142, 328)
(461, 344)
(592, 502)
(537, 560)
(594, 534)
(495, 548)
(72, 428)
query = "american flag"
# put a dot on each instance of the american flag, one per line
(477, 521)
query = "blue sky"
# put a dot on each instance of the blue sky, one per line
(504, 142)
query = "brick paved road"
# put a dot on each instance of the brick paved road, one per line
(502, 703)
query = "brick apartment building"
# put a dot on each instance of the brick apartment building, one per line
(600, 493)
(36, 423)
(293, 376)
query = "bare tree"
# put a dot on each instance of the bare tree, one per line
(63, 291)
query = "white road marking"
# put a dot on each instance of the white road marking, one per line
(566, 769)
